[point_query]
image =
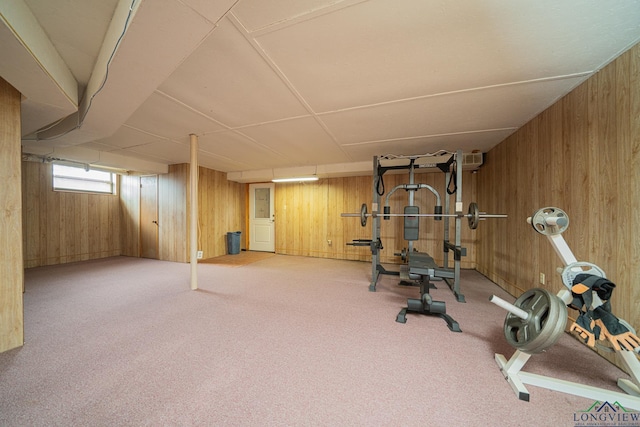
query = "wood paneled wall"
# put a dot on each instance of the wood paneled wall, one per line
(308, 217)
(221, 209)
(61, 227)
(221, 206)
(11, 256)
(583, 156)
(130, 215)
(173, 195)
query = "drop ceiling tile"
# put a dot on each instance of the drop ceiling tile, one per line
(160, 36)
(214, 148)
(492, 108)
(467, 142)
(126, 137)
(163, 149)
(302, 141)
(241, 149)
(140, 156)
(164, 116)
(212, 10)
(99, 147)
(376, 51)
(258, 14)
(35, 115)
(219, 163)
(228, 80)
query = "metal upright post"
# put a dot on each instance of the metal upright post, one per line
(445, 248)
(411, 200)
(375, 227)
(457, 254)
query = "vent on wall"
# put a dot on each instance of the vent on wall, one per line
(471, 161)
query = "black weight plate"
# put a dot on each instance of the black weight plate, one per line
(363, 214)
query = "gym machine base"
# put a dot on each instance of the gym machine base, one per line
(534, 336)
(423, 269)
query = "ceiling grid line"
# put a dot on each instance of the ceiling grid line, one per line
(459, 91)
(283, 77)
(304, 16)
(511, 129)
(273, 84)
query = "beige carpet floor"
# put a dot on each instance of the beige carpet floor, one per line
(286, 341)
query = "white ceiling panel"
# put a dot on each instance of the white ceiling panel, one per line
(377, 51)
(170, 118)
(126, 137)
(36, 115)
(219, 163)
(100, 147)
(164, 150)
(302, 138)
(228, 80)
(284, 84)
(212, 10)
(466, 142)
(260, 14)
(140, 156)
(490, 108)
(240, 149)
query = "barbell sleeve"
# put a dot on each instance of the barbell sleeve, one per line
(516, 311)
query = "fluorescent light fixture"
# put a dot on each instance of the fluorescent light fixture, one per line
(298, 179)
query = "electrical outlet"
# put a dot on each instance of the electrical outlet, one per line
(329, 242)
(542, 279)
(200, 255)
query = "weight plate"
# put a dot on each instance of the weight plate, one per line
(544, 325)
(570, 272)
(363, 214)
(540, 223)
(473, 215)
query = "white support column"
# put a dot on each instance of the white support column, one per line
(193, 226)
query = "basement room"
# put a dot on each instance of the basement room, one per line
(319, 213)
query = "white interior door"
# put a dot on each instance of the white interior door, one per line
(261, 218)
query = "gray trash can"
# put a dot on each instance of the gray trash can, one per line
(233, 242)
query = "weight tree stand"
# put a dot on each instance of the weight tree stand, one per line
(551, 222)
(453, 281)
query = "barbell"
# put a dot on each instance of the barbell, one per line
(473, 215)
(535, 321)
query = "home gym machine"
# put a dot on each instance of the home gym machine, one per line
(537, 319)
(420, 268)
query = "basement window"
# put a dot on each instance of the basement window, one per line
(70, 178)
